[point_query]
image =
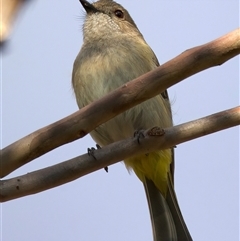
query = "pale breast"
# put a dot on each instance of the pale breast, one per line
(100, 71)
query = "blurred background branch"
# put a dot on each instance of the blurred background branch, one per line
(9, 11)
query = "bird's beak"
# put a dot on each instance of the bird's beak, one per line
(88, 6)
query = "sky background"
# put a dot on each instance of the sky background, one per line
(36, 91)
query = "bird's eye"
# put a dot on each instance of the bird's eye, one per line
(119, 13)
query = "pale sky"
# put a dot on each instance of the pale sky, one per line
(36, 91)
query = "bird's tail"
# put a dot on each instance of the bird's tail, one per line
(166, 217)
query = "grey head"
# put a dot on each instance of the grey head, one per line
(106, 18)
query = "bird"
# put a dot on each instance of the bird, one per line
(113, 53)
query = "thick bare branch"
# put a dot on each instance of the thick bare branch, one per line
(70, 170)
(82, 122)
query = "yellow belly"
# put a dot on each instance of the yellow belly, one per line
(154, 166)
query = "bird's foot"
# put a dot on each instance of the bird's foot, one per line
(138, 135)
(91, 153)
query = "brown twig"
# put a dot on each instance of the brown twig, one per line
(70, 170)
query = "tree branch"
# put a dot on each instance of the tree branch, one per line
(9, 10)
(70, 170)
(132, 93)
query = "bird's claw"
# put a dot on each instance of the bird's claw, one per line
(139, 134)
(91, 153)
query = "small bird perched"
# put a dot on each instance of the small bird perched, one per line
(113, 53)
